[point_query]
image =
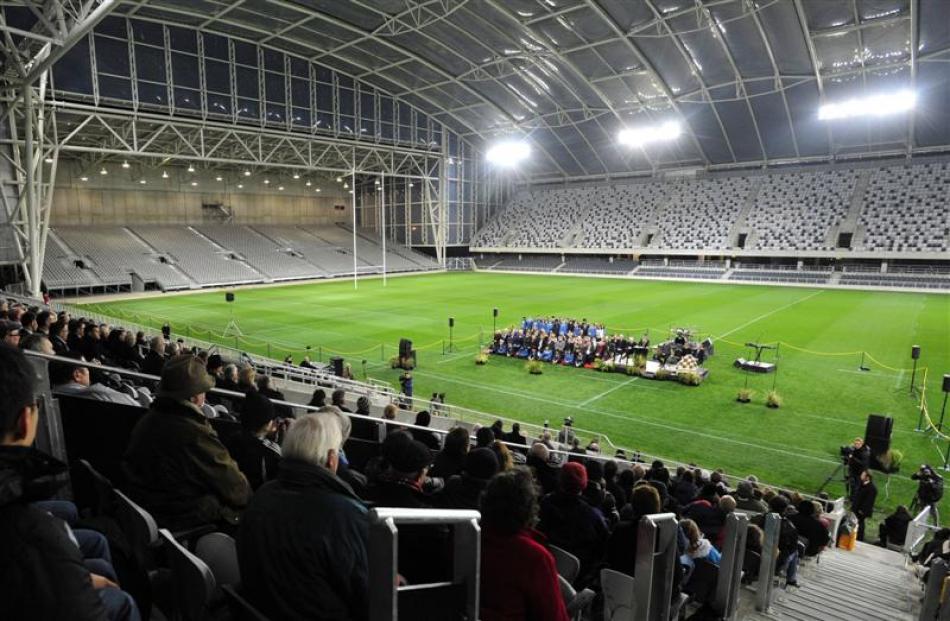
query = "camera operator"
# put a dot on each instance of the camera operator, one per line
(858, 460)
(929, 489)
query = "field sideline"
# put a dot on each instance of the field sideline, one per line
(826, 397)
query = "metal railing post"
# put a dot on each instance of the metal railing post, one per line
(730, 567)
(930, 605)
(383, 556)
(653, 587)
(763, 591)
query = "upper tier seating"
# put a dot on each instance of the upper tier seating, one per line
(906, 209)
(796, 211)
(699, 214)
(259, 251)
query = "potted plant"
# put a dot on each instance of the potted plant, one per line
(744, 395)
(892, 459)
(534, 367)
(481, 359)
(632, 370)
(395, 362)
(689, 378)
(773, 399)
(663, 374)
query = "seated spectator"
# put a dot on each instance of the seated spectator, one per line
(571, 523)
(155, 358)
(685, 491)
(498, 429)
(423, 555)
(622, 545)
(362, 406)
(753, 554)
(544, 473)
(611, 485)
(893, 530)
(338, 398)
(37, 342)
(10, 332)
(705, 511)
(265, 387)
(484, 437)
(519, 578)
(503, 455)
(809, 525)
(517, 438)
(449, 461)
(254, 448)
(215, 367)
(746, 500)
(57, 335)
(74, 380)
(699, 547)
(424, 435)
(28, 321)
(42, 573)
(229, 379)
(302, 542)
(247, 378)
(462, 491)
(175, 464)
(319, 398)
(389, 413)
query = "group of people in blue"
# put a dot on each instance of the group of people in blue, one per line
(566, 341)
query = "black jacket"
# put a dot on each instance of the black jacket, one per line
(461, 492)
(42, 575)
(570, 523)
(257, 459)
(862, 500)
(302, 547)
(811, 528)
(153, 363)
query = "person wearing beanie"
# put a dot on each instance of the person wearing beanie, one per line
(175, 465)
(424, 551)
(462, 491)
(746, 500)
(254, 448)
(705, 511)
(571, 523)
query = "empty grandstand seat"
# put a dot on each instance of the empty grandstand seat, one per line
(219, 552)
(568, 565)
(193, 584)
(618, 595)
(139, 527)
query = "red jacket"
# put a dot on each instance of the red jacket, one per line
(519, 579)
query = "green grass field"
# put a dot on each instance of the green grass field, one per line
(826, 397)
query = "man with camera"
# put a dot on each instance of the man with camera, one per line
(929, 490)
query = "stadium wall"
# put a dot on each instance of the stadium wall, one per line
(119, 199)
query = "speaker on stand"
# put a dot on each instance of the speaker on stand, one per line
(946, 392)
(451, 330)
(915, 355)
(877, 436)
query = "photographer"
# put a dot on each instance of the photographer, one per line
(858, 459)
(929, 489)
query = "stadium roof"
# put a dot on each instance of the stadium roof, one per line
(744, 77)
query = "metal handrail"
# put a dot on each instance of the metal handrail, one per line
(765, 587)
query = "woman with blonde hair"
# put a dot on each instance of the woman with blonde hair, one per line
(699, 547)
(505, 461)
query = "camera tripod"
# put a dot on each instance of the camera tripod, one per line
(934, 515)
(833, 475)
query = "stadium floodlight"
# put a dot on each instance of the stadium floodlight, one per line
(218, 178)
(48, 160)
(883, 104)
(296, 176)
(191, 168)
(640, 136)
(125, 163)
(508, 153)
(266, 181)
(194, 184)
(308, 184)
(280, 188)
(247, 173)
(142, 181)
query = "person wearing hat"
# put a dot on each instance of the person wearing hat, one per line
(462, 491)
(175, 465)
(746, 500)
(571, 523)
(808, 522)
(256, 454)
(423, 550)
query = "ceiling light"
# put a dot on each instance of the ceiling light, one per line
(191, 168)
(164, 174)
(308, 184)
(266, 181)
(872, 105)
(296, 176)
(194, 183)
(247, 173)
(410, 184)
(84, 178)
(218, 178)
(125, 163)
(48, 160)
(346, 186)
(142, 181)
(240, 186)
(339, 179)
(508, 153)
(280, 188)
(377, 182)
(639, 136)
(316, 189)
(103, 171)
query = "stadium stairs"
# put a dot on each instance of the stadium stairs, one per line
(869, 583)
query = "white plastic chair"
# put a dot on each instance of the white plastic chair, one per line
(618, 595)
(219, 553)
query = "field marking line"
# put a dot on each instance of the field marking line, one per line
(646, 421)
(769, 314)
(452, 357)
(900, 378)
(607, 392)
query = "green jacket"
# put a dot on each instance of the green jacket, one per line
(178, 469)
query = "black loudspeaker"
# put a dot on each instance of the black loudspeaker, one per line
(877, 434)
(336, 363)
(167, 331)
(915, 352)
(946, 383)
(405, 348)
(494, 312)
(229, 297)
(451, 322)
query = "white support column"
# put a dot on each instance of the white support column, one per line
(353, 204)
(382, 215)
